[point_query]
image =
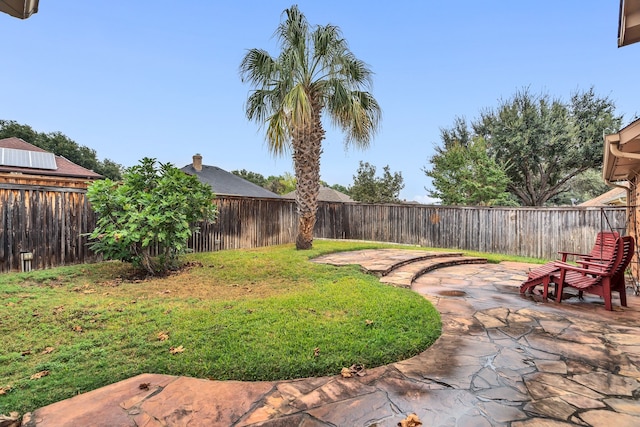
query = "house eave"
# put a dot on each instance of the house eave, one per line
(629, 22)
(19, 8)
(622, 154)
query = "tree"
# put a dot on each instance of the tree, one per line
(580, 188)
(281, 184)
(62, 145)
(368, 188)
(464, 174)
(156, 206)
(545, 141)
(315, 72)
(256, 178)
(341, 188)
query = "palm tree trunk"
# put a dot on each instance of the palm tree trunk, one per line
(307, 148)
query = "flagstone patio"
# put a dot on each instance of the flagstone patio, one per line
(502, 360)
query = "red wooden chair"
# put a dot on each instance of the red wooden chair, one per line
(599, 278)
(602, 250)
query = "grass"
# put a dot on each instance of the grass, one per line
(261, 314)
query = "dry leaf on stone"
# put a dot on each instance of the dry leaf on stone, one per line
(176, 350)
(163, 336)
(346, 373)
(411, 421)
(355, 369)
(144, 386)
(39, 375)
(47, 350)
(11, 420)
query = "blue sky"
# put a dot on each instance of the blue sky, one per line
(160, 79)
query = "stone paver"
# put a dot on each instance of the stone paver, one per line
(380, 261)
(502, 360)
(404, 275)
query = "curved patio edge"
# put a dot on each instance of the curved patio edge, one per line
(502, 359)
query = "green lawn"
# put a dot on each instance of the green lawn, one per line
(261, 314)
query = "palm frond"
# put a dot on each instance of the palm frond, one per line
(259, 105)
(314, 69)
(357, 113)
(258, 68)
(278, 132)
(298, 104)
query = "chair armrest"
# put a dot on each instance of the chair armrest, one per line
(595, 258)
(591, 263)
(570, 267)
(575, 254)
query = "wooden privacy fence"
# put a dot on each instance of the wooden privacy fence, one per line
(526, 231)
(47, 222)
(247, 223)
(50, 223)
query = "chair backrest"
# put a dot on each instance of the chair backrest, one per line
(611, 264)
(604, 245)
(626, 253)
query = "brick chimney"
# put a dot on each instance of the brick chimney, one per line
(197, 162)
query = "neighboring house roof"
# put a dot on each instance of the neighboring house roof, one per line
(326, 194)
(64, 167)
(224, 183)
(613, 197)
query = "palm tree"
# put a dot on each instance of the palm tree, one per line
(315, 71)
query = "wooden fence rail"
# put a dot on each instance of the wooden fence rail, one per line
(52, 222)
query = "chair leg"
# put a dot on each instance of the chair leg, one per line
(606, 293)
(545, 287)
(623, 296)
(559, 290)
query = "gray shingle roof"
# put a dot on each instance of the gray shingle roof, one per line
(326, 194)
(224, 183)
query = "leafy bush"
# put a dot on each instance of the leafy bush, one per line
(153, 209)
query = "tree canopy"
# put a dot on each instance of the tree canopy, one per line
(464, 173)
(61, 145)
(545, 141)
(368, 188)
(582, 187)
(314, 73)
(254, 177)
(542, 143)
